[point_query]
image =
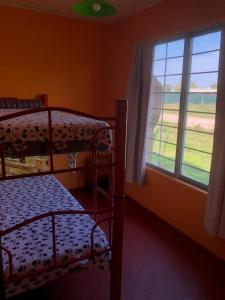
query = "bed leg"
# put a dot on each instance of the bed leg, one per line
(95, 180)
(119, 200)
(2, 287)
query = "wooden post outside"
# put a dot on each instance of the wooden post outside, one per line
(119, 199)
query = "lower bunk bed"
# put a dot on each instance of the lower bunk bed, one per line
(79, 242)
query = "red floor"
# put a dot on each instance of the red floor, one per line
(159, 264)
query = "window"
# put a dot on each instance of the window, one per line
(182, 106)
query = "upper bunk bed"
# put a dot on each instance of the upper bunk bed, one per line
(29, 131)
(37, 129)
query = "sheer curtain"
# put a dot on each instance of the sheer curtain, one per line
(138, 98)
(215, 210)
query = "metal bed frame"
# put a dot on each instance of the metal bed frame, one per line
(116, 194)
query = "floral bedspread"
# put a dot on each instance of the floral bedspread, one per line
(29, 135)
(31, 245)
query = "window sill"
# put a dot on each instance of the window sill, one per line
(172, 177)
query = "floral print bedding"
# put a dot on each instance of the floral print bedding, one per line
(29, 135)
(31, 245)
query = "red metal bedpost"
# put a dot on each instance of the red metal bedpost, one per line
(119, 199)
(44, 99)
(2, 286)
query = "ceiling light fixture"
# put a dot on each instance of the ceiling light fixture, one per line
(94, 8)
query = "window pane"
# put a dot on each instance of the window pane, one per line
(163, 118)
(172, 101)
(173, 83)
(198, 141)
(196, 175)
(169, 135)
(167, 150)
(164, 133)
(153, 159)
(163, 155)
(160, 51)
(158, 160)
(174, 66)
(167, 164)
(200, 122)
(154, 132)
(157, 84)
(170, 118)
(154, 146)
(162, 162)
(206, 42)
(197, 159)
(206, 62)
(159, 67)
(156, 101)
(154, 116)
(204, 102)
(201, 107)
(163, 112)
(203, 83)
(175, 48)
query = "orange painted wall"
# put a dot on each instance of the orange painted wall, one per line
(177, 203)
(43, 53)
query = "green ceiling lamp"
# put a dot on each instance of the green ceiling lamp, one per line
(94, 8)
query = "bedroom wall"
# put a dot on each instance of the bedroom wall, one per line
(179, 204)
(43, 53)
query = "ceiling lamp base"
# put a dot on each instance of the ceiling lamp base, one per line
(94, 8)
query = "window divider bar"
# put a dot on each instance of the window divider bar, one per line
(201, 112)
(164, 88)
(196, 168)
(159, 155)
(162, 141)
(158, 124)
(198, 131)
(183, 105)
(208, 51)
(166, 109)
(172, 57)
(204, 72)
(178, 92)
(196, 150)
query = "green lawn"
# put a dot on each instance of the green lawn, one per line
(192, 160)
(195, 164)
(208, 108)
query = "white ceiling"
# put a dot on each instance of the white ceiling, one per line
(64, 7)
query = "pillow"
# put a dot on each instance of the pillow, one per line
(32, 164)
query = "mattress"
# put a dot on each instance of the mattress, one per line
(29, 135)
(31, 246)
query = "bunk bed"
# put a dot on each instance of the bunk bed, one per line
(44, 232)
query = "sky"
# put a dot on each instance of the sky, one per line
(200, 62)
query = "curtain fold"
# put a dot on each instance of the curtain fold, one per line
(138, 98)
(215, 209)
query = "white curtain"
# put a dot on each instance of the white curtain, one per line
(215, 210)
(138, 98)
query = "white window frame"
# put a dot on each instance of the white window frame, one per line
(183, 101)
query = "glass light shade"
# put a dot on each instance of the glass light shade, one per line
(94, 8)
